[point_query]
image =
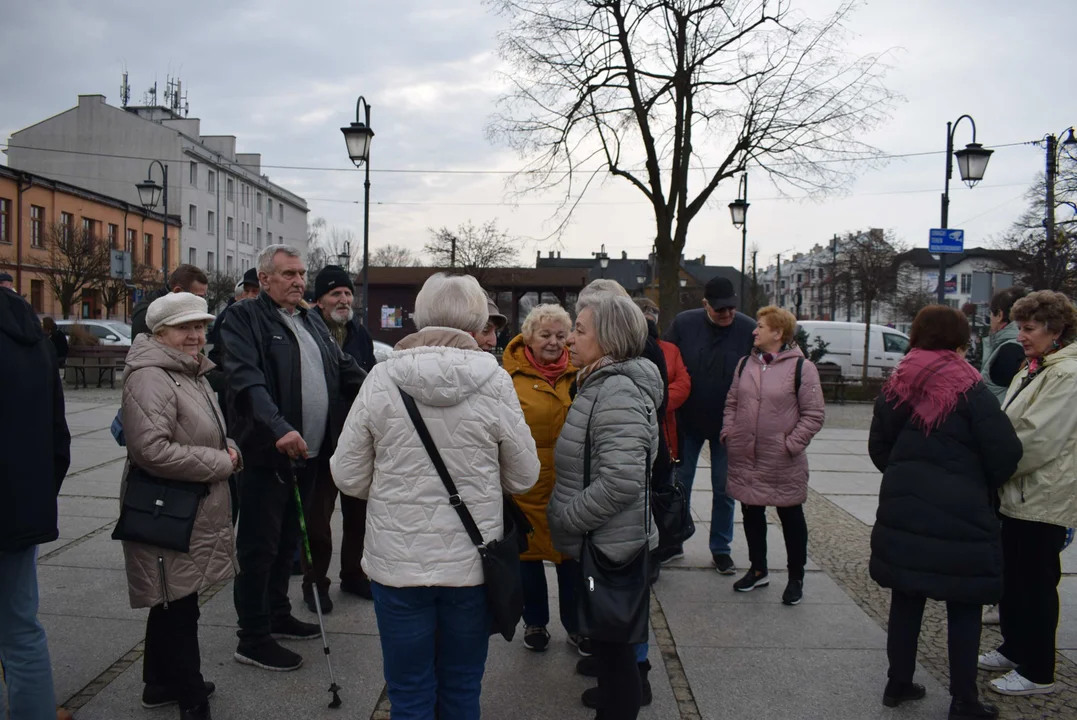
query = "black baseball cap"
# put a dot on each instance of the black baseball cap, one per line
(719, 293)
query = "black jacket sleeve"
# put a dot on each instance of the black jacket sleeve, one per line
(244, 376)
(999, 447)
(1007, 364)
(886, 424)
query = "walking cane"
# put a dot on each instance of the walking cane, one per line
(333, 687)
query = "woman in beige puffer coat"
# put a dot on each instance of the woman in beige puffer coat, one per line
(175, 431)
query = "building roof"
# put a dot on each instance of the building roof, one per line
(502, 278)
(922, 257)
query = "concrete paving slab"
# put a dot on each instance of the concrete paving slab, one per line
(77, 487)
(75, 527)
(247, 692)
(81, 650)
(1071, 654)
(845, 434)
(772, 625)
(112, 472)
(49, 547)
(101, 552)
(83, 507)
(94, 455)
(86, 593)
(779, 684)
(1069, 561)
(841, 463)
(681, 587)
(845, 483)
(92, 420)
(834, 447)
(1067, 621)
(862, 507)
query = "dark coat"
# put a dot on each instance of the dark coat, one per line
(264, 380)
(357, 343)
(59, 342)
(35, 446)
(711, 355)
(936, 534)
(138, 317)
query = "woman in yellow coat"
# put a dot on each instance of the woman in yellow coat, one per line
(538, 362)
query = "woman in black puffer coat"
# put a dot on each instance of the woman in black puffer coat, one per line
(944, 447)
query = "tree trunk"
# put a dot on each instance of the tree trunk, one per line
(668, 257)
(867, 340)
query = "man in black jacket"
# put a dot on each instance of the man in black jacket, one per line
(289, 388)
(712, 340)
(185, 278)
(333, 295)
(35, 451)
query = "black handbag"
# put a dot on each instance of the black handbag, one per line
(672, 516)
(158, 512)
(615, 600)
(500, 558)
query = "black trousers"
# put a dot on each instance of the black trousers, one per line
(794, 528)
(1031, 569)
(266, 541)
(619, 686)
(319, 506)
(962, 639)
(171, 658)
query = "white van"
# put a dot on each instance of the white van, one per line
(845, 346)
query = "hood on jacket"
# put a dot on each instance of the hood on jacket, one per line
(440, 367)
(147, 351)
(1069, 352)
(18, 320)
(640, 371)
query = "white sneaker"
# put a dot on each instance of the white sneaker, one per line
(1013, 683)
(994, 660)
(990, 616)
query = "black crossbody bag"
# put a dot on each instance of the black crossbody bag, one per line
(500, 558)
(615, 601)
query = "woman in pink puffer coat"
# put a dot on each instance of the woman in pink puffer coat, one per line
(772, 412)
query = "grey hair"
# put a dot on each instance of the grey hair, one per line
(265, 258)
(602, 285)
(452, 301)
(620, 328)
(541, 314)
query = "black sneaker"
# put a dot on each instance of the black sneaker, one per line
(794, 592)
(536, 638)
(323, 595)
(752, 579)
(972, 710)
(588, 667)
(156, 696)
(898, 692)
(288, 628)
(591, 698)
(582, 645)
(664, 555)
(724, 564)
(359, 586)
(196, 713)
(268, 655)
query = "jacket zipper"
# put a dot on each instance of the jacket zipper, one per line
(164, 584)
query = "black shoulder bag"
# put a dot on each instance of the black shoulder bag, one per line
(500, 558)
(615, 601)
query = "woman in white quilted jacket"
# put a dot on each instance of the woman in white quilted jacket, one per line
(426, 574)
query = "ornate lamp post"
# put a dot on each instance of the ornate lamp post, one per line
(357, 136)
(738, 209)
(149, 194)
(971, 163)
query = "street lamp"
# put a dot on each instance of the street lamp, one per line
(344, 258)
(738, 209)
(971, 163)
(603, 259)
(684, 282)
(149, 193)
(1053, 151)
(357, 137)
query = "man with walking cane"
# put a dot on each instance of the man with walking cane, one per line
(289, 386)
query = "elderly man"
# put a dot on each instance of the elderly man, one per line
(6, 281)
(289, 389)
(185, 278)
(333, 296)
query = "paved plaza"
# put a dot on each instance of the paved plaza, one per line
(716, 653)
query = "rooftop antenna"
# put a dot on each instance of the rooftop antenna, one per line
(125, 91)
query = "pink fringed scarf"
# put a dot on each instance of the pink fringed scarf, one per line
(930, 382)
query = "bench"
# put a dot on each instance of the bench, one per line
(105, 359)
(830, 377)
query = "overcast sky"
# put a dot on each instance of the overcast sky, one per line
(283, 78)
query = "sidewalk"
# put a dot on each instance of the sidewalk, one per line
(716, 653)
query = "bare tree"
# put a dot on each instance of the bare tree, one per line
(77, 261)
(221, 289)
(331, 246)
(473, 249)
(676, 96)
(867, 266)
(394, 256)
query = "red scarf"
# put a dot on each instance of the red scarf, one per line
(551, 372)
(930, 382)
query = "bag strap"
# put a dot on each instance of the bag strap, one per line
(443, 472)
(797, 378)
(743, 362)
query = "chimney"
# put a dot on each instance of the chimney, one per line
(538, 257)
(702, 259)
(558, 254)
(624, 254)
(551, 255)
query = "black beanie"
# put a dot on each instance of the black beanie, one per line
(330, 278)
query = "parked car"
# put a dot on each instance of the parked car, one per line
(381, 351)
(845, 346)
(108, 332)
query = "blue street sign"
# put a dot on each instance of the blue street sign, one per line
(136, 296)
(946, 241)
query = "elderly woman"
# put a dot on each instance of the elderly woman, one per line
(615, 415)
(175, 431)
(538, 362)
(426, 574)
(1040, 501)
(773, 410)
(943, 446)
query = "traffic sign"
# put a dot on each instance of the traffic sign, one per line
(946, 241)
(121, 265)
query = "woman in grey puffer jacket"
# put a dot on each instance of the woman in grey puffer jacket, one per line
(618, 392)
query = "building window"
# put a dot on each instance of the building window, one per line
(113, 236)
(37, 296)
(228, 264)
(280, 206)
(37, 226)
(194, 174)
(192, 256)
(269, 207)
(966, 283)
(231, 194)
(228, 228)
(211, 222)
(132, 236)
(5, 220)
(192, 216)
(269, 238)
(259, 202)
(258, 237)
(67, 223)
(210, 258)
(211, 181)
(147, 249)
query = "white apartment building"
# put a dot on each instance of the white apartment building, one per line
(228, 208)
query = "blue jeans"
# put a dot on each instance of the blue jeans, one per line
(24, 653)
(721, 505)
(641, 652)
(434, 642)
(537, 598)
